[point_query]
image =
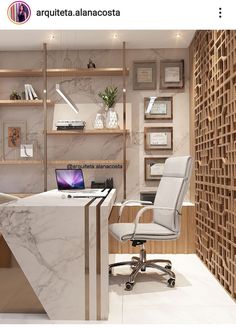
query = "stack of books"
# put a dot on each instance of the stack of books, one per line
(30, 94)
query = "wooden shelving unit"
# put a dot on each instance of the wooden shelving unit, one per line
(58, 72)
(84, 72)
(46, 73)
(214, 111)
(86, 132)
(24, 103)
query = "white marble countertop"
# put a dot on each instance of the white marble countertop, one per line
(49, 198)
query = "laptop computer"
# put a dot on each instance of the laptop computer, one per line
(71, 181)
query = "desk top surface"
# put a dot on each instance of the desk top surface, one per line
(50, 198)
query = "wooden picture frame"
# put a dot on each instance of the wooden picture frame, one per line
(171, 74)
(153, 167)
(11, 145)
(158, 138)
(161, 108)
(145, 75)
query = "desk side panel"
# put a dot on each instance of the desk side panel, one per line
(105, 211)
(48, 243)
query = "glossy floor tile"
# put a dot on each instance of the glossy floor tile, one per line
(197, 298)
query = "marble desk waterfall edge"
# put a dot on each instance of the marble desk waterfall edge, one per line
(62, 247)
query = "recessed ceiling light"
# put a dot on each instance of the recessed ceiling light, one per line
(178, 35)
(115, 36)
(51, 37)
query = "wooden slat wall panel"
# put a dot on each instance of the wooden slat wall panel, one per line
(184, 245)
(214, 91)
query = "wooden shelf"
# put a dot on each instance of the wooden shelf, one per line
(24, 103)
(20, 72)
(87, 132)
(20, 162)
(84, 162)
(51, 72)
(55, 72)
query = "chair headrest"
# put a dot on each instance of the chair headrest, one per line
(178, 167)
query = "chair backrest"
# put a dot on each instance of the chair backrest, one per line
(171, 191)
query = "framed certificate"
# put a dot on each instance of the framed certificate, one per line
(172, 74)
(153, 168)
(158, 138)
(158, 108)
(144, 75)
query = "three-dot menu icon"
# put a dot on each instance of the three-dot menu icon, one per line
(220, 12)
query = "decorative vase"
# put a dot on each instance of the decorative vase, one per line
(99, 121)
(112, 119)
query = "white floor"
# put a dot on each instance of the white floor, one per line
(197, 298)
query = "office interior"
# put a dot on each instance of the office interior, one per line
(191, 78)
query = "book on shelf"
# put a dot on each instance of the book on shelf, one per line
(30, 94)
(26, 93)
(33, 92)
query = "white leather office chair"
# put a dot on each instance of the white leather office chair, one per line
(166, 219)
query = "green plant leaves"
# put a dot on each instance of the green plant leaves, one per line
(109, 96)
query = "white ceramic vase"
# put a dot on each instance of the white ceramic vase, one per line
(112, 119)
(99, 121)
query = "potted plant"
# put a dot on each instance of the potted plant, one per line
(109, 97)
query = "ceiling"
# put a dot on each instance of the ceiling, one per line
(99, 39)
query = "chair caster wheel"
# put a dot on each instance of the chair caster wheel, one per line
(110, 270)
(143, 269)
(129, 286)
(171, 282)
(168, 266)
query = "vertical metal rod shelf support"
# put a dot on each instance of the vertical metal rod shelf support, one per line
(124, 121)
(45, 115)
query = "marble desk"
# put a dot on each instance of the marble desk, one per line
(61, 246)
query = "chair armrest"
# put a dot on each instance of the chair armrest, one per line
(142, 202)
(146, 208)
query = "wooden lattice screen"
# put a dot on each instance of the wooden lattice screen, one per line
(214, 108)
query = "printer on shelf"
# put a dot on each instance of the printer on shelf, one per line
(70, 125)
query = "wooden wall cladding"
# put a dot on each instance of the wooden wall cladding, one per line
(214, 92)
(184, 245)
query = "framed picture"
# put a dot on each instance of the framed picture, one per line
(172, 74)
(144, 75)
(158, 108)
(158, 138)
(153, 168)
(13, 135)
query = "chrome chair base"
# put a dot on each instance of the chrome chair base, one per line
(140, 264)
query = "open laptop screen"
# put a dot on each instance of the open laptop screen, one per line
(69, 179)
